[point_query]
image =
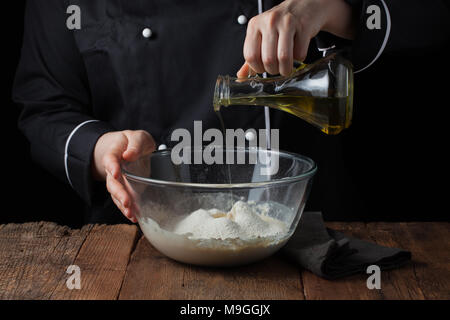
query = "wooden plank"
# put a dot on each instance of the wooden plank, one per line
(430, 247)
(34, 258)
(272, 278)
(150, 275)
(102, 259)
(398, 284)
(353, 287)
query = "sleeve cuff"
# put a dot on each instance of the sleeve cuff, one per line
(78, 156)
(371, 38)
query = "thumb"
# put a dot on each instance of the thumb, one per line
(245, 71)
(140, 143)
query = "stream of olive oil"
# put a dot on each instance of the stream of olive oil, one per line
(223, 129)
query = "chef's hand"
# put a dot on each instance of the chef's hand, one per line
(111, 150)
(278, 36)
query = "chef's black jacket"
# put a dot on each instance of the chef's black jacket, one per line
(75, 85)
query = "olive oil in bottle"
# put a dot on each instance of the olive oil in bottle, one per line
(320, 93)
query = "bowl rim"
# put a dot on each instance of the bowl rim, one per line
(149, 181)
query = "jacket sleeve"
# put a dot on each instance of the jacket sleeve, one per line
(404, 27)
(51, 87)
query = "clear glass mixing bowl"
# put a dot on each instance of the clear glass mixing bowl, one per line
(165, 193)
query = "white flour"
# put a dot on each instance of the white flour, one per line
(244, 221)
(210, 237)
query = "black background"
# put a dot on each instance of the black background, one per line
(30, 193)
(398, 140)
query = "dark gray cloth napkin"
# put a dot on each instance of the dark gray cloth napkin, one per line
(331, 254)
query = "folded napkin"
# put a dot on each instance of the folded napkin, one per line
(331, 254)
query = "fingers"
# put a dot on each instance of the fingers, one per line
(275, 38)
(252, 47)
(285, 52)
(245, 71)
(120, 197)
(140, 143)
(301, 44)
(118, 191)
(111, 162)
(121, 208)
(126, 212)
(269, 47)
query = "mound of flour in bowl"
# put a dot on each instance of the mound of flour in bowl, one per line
(213, 238)
(244, 221)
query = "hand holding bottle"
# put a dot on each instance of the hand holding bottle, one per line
(278, 36)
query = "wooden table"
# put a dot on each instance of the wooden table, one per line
(117, 262)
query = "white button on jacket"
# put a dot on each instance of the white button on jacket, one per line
(147, 33)
(242, 19)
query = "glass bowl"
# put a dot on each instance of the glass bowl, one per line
(165, 194)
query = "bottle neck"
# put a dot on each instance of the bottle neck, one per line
(221, 92)
(240, 91)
